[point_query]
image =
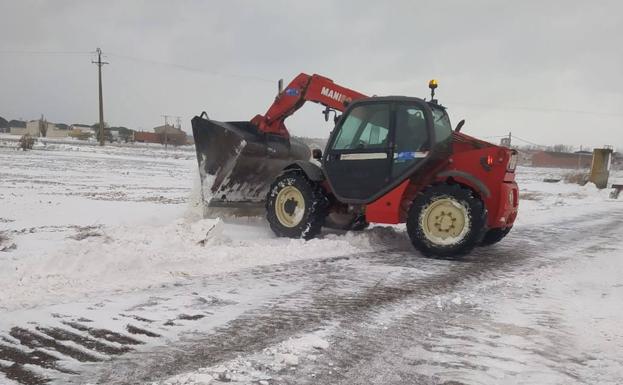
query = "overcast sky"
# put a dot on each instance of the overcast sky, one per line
(549, 71)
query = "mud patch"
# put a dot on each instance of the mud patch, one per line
(5, 243)
(65, 335)
(188, 317)
(136, 330)
(530, 196)
(87, 232)
(105, 334)
(35, 341)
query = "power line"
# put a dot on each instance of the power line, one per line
(527, 141)
(257, 78)
(191, 69)
(143, 60)
(18, 52)
(494, 136)
(537, 109)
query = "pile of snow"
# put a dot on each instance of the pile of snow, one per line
(124, 258)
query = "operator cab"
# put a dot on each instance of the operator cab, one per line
(379, 142)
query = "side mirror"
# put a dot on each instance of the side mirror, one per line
(317, 153)
(326, 114)
(336, 118)
(279, 87)
(460, 125)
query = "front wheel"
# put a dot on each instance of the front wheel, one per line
(446, 221)
(296, 207)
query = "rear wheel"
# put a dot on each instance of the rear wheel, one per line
(494, 236)
(446, 221)
(296, 207)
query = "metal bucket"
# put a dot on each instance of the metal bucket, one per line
(237, 164)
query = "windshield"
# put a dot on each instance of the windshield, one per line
(441, 123)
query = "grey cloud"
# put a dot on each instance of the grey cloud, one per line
(487, 55)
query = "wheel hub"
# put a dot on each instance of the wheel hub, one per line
(290, 206)
(445, 221)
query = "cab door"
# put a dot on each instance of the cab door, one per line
(376, 146)
(359, 156)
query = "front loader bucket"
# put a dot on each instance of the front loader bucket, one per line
(237, 164)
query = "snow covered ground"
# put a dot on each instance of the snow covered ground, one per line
(85, 220)
(99, 236)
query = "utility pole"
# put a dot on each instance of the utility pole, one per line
(178, 119)
(100, 63)
(580, 158)
(166, 126)
(166, 119)
(506, 141)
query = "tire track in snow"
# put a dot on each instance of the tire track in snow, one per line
(461, 341)
(347, 289)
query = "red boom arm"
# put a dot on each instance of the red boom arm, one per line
(303, 88)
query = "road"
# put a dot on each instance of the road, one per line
(500, 315)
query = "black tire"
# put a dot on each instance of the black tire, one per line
(494, 236)
(311, 218)
(470, 211)
(360, 224)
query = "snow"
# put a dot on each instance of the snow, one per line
(541, 202)
(85, 219)
(256, 368)
(86, 222)
(80, 222)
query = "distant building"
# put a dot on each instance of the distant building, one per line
(171, 135)
(37, 127)
(166, 134)
(56, 132)
(146, 137)
(15, 124)
(81, 128)
(80, 131)
(580, 159)
(31, 128)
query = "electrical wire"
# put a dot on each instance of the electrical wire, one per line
(142, 60)
(257, 78)
(527, 141)
(19, 52)
(190, 69)
(536, 109)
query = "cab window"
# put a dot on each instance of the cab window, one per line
(366, 126)
(412, 138)
(441, 123)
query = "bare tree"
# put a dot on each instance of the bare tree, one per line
(561, 148)
(43, 127)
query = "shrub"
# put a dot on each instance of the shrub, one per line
(26, 142)
(577, 177)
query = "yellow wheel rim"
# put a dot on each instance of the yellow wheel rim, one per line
(445, 221)
(290, 206)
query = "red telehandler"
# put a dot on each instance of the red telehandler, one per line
(391, 159)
